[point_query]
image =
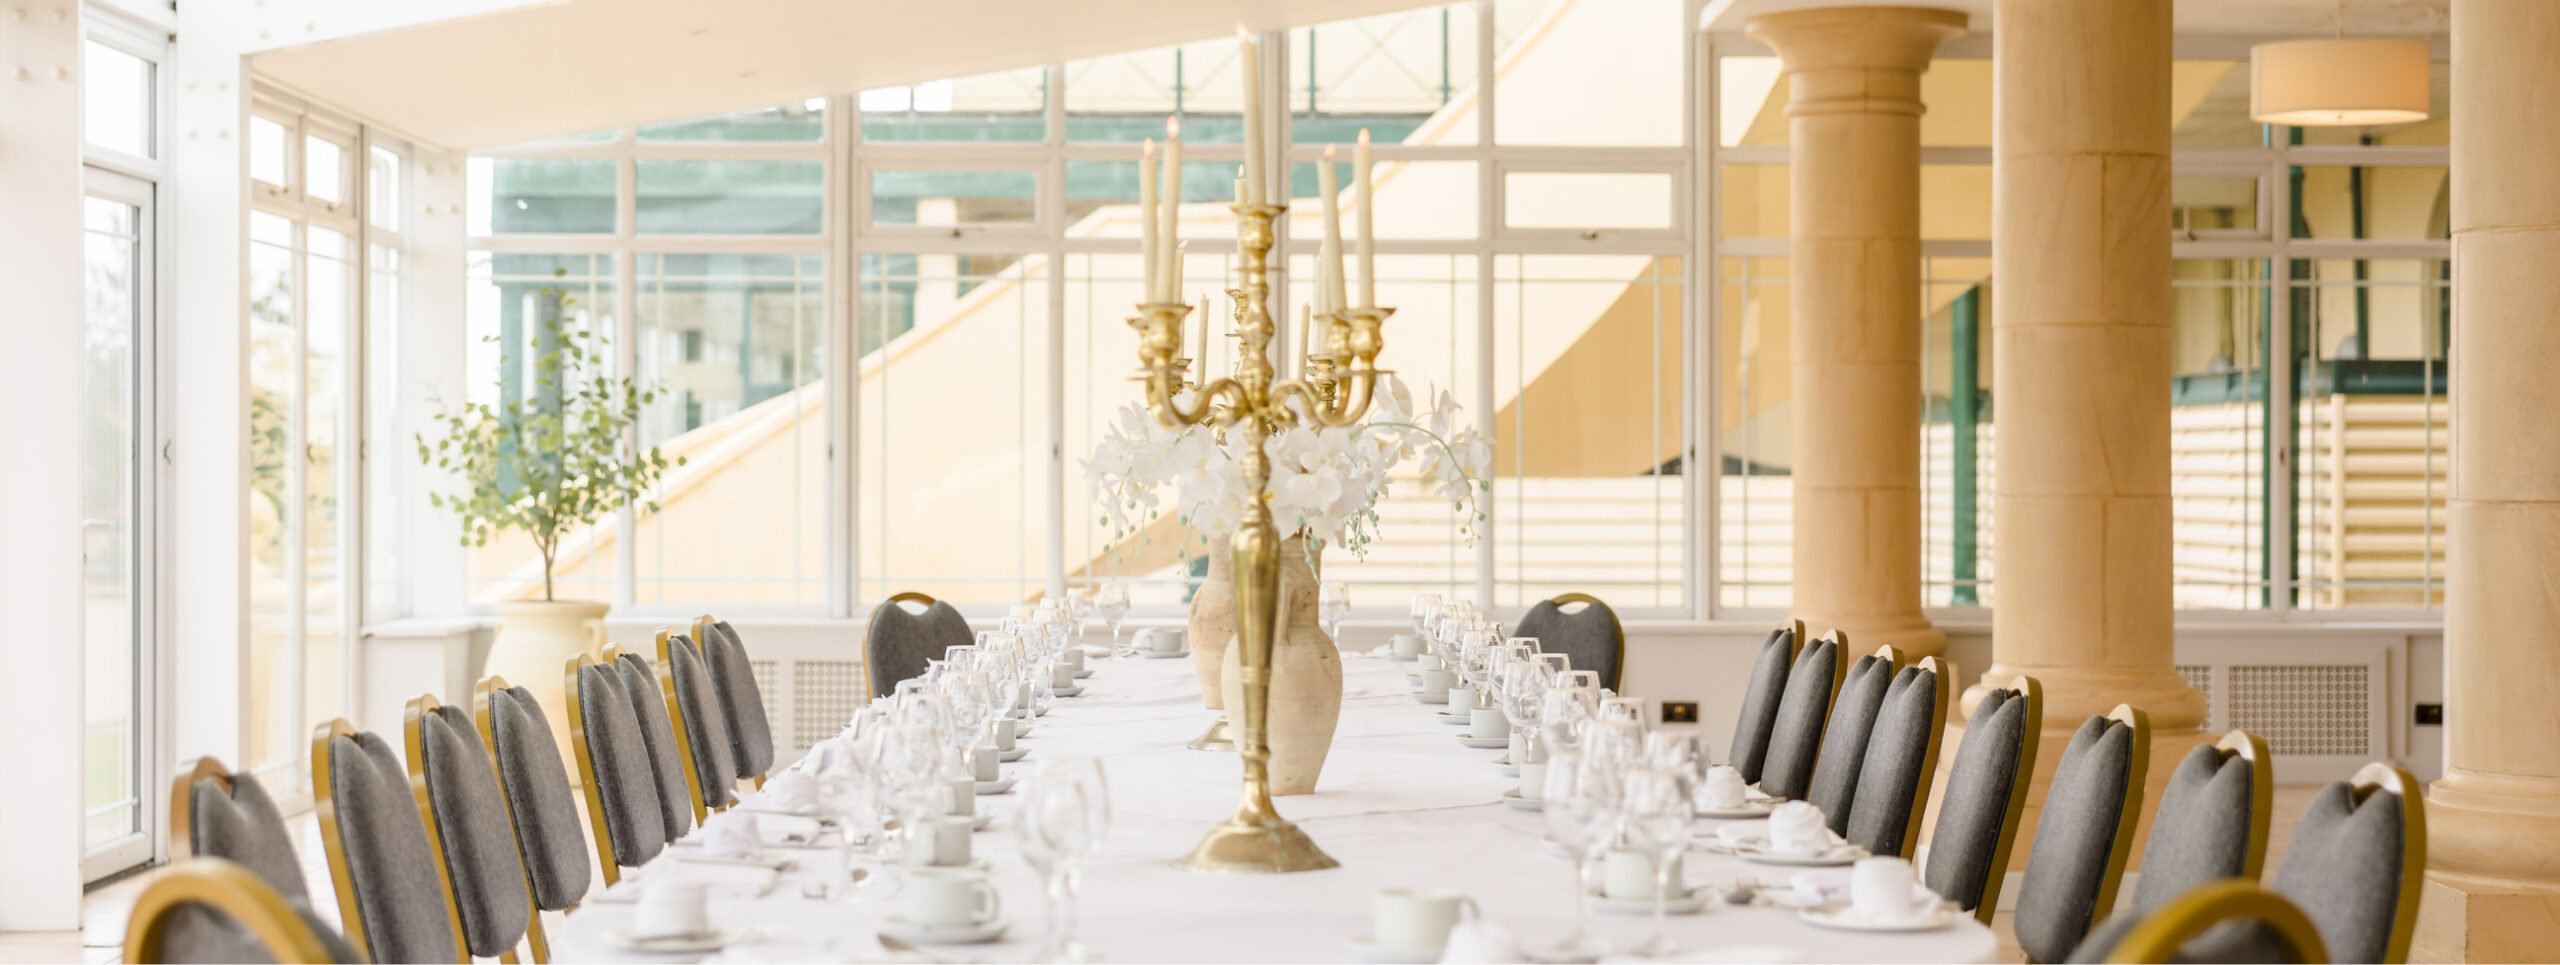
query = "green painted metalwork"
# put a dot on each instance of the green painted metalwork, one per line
(1964, 404)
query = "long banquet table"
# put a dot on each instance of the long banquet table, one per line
(1401, 803)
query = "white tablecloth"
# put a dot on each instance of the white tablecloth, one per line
(1401, 803)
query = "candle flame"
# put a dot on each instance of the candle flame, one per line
(1243, 35)
(1328, 152)
(1364, 136)
(1148, 149)
(1172, 127)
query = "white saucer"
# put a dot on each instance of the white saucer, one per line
(1748, 810)
(1081, 674)
(980, 820)
(1840, 854)
(1065, 691)
(712, 940)
(1512, 797)
(979, 933)
(694, 855)
(1688, 904)
(1845, 918)
(1507, 768)
(1404, 657)
(1449, 718)
(1013, 755)
(1431, 698)
(996, 786)
(1368, 951)
(1163, 654)
(979, 865)
(1483, 743)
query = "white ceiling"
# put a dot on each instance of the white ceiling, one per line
(563, 67)
(2245, 17)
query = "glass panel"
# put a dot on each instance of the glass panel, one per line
(1590, 73)
(735, 345)
(1102, 199)
(327, 305)
(388, 455)
(1011, 106)
(541, 196)
(2374, 426)
(2209, 106)
(732, 197)
(1751, 101)
(324, 169)
(1125, 97)
(510, 295)
(804, 121)
(1756, 449)
(274, 459)
(112, 243)
(1754, 201)
(1955, 201)
(2199, 205)
(382, 187)
(951, 198)
(116, 100)
(270, 147)
(1398, 74)
(2218, 435)
(1586, 200)
(953, 340)
(1416, 199)
(1955, 432)
(1589, 429)
(2401, 203)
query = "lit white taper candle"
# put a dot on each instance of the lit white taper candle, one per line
(1200, 352)
(1306, 323)
(1328, 185)
(1252, 60)
(1360, 163)
(1147, 214)
(1169, 230)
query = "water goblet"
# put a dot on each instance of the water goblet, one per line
(1111, 602)
(1656, 814)
(1066, 810)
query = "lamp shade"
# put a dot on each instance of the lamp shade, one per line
(2346, 81)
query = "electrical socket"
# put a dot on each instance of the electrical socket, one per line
(2431, 714)
(1679, 711)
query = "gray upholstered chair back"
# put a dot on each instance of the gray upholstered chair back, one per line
(2211, 822)
(1760, 700)
(209, 909)
(1795, 740)
(702, 724)
(1591, 635)
(648, 701)
(1844, 740)
(1986, 793)
(219, 814)
(378, 850)
(2230, 920)
(539, 799)
(623, 810)
(734, 676)
(1901, 759)
(2355, 862)
(472, 834)
(900, 641)
(2084, 834)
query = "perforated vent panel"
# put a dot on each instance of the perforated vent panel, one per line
(764, 671)
(824, 694)
(2200, 677)
(2305, 709)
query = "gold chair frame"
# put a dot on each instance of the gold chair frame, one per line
(2383, 778)
(2030, 690)
(2252, 749)
(2137, 767)
(684, 736)
(2158, 936)
(1940, 694)
(598, 832)
(1563, 600)
(324, 806)
(483, 694)
(870, 679)
(413, 743)
(182, 802)
(230, 889)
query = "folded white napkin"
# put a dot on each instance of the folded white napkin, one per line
(1723, 789)
(1797, 827)
(732, 834)
(1814, 889)
(791, 792)
(1479, 942)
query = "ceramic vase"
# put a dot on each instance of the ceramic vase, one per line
(536, 640)
(1306, 677)
(1213, 623)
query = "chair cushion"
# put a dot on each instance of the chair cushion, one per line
(750, 730)
(401, 905)
(649, 710)
(1591, 637)
(245, 827)
(2200, 832)
(479, 839)
(538, 796)
(899, 643)
(1844, 740)
(195, 932)
(2343, 868)
(626, 776)
(1760, 703)
(1796, 739)
(2075, 839)
(1976, 804)
(706, 722)
(1897, 757)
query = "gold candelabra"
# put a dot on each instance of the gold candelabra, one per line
(1338, 383)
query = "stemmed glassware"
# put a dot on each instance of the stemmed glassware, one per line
(1111, 602)
(1333, 605)
(1656, 825)
(1581, 814)
(1426, 607)
(1525, 684)
(1066, 809)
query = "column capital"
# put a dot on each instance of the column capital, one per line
(1826, 38)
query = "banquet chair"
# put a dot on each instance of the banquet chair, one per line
(1803, 710)
(2181, 929)
(1986, 792)
(624, 814)
(2210, 824)
(209, 909)
(1901, 759)
(2357, 861)
(541, 808)
(2084, 835)
(377, 845)
(1844, 740)
(640, 686)
(219, 814)
(734, 677)
(469, 828)
(900, 642)
(1591, 636)
(701, 724)
(1760, 699)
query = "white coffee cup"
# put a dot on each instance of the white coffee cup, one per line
(1519, 750)
(1880, 888)
(939, 842)
(1407, 645)
(950, 896)
(1160, 639)
(1487, 723)
(1075, 660)
(1723, 788)
(1061, 676)
(1426, 663)
(1533, 782)
(1629, 874)
(960, 797)
(982, 761)
(1418, 919)
(1461, 699)
(1001, 733)
(1436, 682)
(671, 908)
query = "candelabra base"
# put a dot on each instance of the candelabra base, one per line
(1216, 738)
(1257, 842)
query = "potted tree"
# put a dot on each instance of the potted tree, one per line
(547, 461)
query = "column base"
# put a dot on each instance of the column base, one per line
(2467, 918)
(2493, 870)
(2168, 745)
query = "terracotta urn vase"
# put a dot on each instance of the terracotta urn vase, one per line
(536, 639)
(1306, 677)
(1213, 623)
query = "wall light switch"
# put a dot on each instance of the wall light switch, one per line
(1679, 711)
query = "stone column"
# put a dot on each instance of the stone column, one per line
(1853, 116)
(2081, 373)
(2493, 849)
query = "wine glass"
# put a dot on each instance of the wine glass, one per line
(1426, 608)
(1111, 601)
(1655, 803)
(1580, 815)
(1524, 702)
(1333, 605)
(1066, 809)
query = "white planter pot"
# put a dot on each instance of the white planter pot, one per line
(536, 640)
